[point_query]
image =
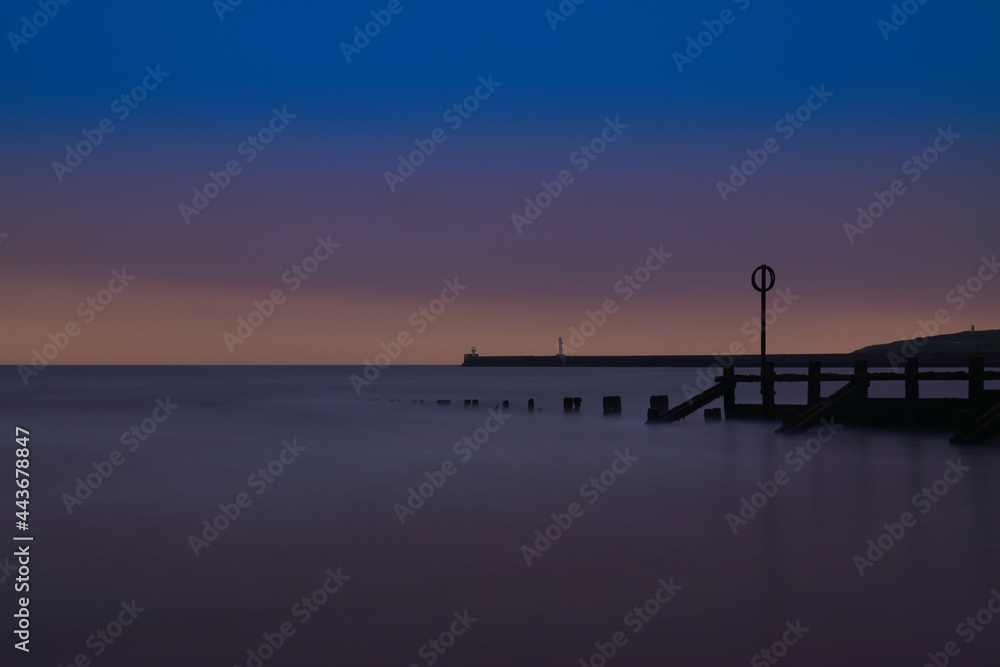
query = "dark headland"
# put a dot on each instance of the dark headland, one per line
(944, 351)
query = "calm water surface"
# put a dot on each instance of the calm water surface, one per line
(336, 502)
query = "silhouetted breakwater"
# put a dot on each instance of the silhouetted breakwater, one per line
(874, 360)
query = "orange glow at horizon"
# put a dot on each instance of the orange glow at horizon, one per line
(161, 324)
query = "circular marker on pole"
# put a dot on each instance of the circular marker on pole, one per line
(766, 283)
(766, 274)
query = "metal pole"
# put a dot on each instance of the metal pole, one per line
(767, 279)
(763, 333)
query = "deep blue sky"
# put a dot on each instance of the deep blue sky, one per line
(658, 185)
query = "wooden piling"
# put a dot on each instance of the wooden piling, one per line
(729, 398)
(977, 365)
(813, 391)
(860, 376)
(912, 381)
(767, 388)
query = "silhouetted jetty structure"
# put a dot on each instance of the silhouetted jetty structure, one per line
(974, 418)
(693, 404)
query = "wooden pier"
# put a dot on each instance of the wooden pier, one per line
(972, 419)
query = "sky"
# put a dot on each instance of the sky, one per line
(643, 109)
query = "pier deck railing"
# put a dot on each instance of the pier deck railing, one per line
(975, 416)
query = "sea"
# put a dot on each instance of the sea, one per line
(273, 515)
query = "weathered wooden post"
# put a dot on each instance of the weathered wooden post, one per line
(659, 405)
(977, 365)
(531, 405)
(567, 404)
(729, 398)
(813, 393)
(860, 376)
(861, 406)
(767, 388)
(912, 381)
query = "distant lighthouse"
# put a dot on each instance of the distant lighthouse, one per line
(560, 346)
